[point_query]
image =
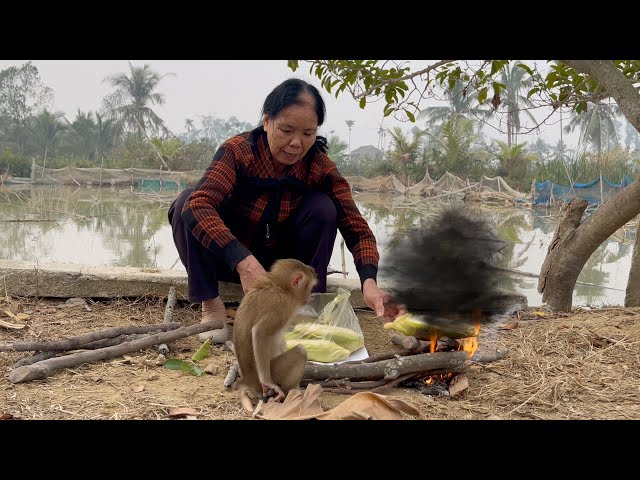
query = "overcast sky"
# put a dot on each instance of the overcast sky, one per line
(222, 88)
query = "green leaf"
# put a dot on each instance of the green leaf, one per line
(177, 364)
(363, 102)
(482, 95)
(410, 115)
(203, 351)
(526, 68)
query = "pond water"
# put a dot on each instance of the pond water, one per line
(107, 227)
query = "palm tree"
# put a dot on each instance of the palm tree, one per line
(460, 105)
(336, 148)
(596, 124)
(130, 103)
(453, 144)
(89, 137)
(514, 160)
(47, 129)
(349, 125)
(405, 152)
(517, 85)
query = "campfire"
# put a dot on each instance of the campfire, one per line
(429, 361)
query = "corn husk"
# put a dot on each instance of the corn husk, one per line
(323, 351)
(418, 326)
(345, 337)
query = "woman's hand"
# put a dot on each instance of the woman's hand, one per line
(249, 270)
(381, 302)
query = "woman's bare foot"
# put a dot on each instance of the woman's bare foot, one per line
(214, 309)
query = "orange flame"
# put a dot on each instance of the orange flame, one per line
(470, 344)
(433, 339)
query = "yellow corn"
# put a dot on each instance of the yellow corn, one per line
(345, 337)
(320, 350)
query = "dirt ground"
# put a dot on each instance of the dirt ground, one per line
(579, 366)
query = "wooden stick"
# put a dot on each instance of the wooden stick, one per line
(409, 343)
(73, 343)
(231, 375)
(489, 356)
(106, 342)
(46, 367)
(387, 369)
(347, 387)
(168, 315)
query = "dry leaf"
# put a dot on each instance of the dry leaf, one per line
(509, 326)
(138, 388)
(361, 406)
(15, 326)
(181, 412)
(541, 314)
(22, 317)
(9, 314)
(458, 385)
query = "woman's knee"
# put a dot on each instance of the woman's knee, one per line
(319, 208)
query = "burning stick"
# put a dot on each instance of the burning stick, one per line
(386, 369)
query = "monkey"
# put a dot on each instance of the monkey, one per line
(262, 318)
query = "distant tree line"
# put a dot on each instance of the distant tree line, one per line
(127, 132)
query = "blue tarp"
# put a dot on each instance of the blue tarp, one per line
(548, 192)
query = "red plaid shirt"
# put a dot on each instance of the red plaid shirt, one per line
(241, 186)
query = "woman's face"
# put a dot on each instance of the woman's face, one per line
(292, 133)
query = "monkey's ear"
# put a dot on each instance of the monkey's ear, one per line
(296, 279)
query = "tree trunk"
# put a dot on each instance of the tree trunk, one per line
(610, 216)
(574, 242)
(632, 298)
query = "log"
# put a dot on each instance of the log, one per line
(168, 316)
(348, 387)
(44, 368)
(106, 342)
(386, 369)
(486, 357)
(73, 343)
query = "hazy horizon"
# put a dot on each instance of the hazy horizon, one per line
(224, 89)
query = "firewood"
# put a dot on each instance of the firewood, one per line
(386, 369)
(73, 343)
(168, 316)
(46, 367)
(345, 386)
(487, 357)
(231, 375)
(410, 343)
(105, 342)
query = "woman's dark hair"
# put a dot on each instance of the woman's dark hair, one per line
(288, 93)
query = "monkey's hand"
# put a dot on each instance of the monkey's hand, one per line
(279, 394)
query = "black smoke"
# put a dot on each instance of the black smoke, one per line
(447, 268)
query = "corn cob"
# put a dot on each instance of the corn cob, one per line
(417, 326)
(320, 350)
(345, 337)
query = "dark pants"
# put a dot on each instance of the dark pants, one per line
(309, 237)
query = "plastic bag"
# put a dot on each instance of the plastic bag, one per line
(327, 327)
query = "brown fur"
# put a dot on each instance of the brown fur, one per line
(261, 321)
